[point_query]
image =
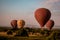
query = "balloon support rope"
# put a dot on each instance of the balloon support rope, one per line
(42, 28)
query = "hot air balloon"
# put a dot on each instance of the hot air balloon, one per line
(50, 24)
(14, 23)
(42, 15)
(20, 23)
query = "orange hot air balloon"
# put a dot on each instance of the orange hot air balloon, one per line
(50, 24)
(14, 23)
(42, 15)
(20, 23)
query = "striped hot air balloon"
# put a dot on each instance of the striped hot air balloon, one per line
(20, 23)
(42, 15)
(14, 23)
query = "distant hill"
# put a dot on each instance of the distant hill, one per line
(1, 27)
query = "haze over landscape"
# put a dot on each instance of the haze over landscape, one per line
(24, 9)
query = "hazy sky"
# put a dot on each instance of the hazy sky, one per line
(24, 9)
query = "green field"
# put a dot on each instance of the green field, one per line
(33, 34)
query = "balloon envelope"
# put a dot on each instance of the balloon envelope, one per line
(20, 23)
(42, 15)
(50, 24)
(14, 23)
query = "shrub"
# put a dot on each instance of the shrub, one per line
(22, 33)
(9, 32)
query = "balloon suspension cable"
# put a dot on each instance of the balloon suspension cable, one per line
(49, 29)
(42, 28)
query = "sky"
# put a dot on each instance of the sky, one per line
(25, 9)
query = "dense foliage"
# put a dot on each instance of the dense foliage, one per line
(23, 34)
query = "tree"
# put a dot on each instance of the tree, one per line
(9, 32)
(22, 33)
